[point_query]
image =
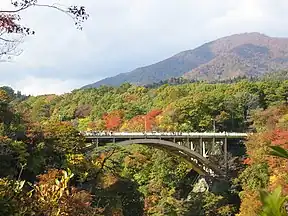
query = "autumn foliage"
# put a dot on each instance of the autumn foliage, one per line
(273, 127)
(113, 120)
(137, 179)
(142, 122)
(51, 195)
(4, 96)
(8, 23)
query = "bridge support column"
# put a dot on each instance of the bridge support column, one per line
(114, 141)
(201, 146)
(96, 142)
(226, 154)
(192, 147)
(206, 148)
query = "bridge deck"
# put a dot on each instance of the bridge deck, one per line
(90, 135)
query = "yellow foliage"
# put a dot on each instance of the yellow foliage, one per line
(279, 179)
(75, 158)
(3, 96)
(108, 180)
(273, 179)
(250, 205)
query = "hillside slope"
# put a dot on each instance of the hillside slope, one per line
(250, 54)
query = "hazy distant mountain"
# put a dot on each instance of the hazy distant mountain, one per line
(250, 54)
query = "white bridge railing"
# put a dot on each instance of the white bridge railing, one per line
(164, 134)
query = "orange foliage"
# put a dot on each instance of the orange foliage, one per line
(269, 118)
(34, 134)
(113, 119)
(150, 202)
(257, 145)
(280, 137)
(278, 166)
(135, 160)
(154, 113)
(250, 204)
(151, 118)
(136, 124)
(108, 180)
(247, 161)
(98, 125)
(142, 122)
(52, 194)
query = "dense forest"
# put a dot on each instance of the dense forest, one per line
(44, 168)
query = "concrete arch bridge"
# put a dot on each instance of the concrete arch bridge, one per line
(199, 149)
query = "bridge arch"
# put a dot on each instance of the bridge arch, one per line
(176, 149)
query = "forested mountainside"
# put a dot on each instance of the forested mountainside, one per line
(187, 107)
(45, 169)
(248, 54)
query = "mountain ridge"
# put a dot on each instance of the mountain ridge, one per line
(245, 54)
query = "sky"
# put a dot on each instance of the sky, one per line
(121, 35)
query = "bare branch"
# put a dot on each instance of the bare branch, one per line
(104, 161)
(15, 11)
(7, 40)
(9, 24)
(56, 8)
(79, 14)
(9, 47)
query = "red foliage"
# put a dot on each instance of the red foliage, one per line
(247, 161)
(154, 113)
(280, 137)
(150, 119)
(143, 122)
(113, 120)
(136, 124)
(7, 22)
(278, 166)
(70, 200)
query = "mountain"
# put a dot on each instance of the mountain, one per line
(247, 54)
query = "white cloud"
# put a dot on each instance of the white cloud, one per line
(34, 86)
(123, 34)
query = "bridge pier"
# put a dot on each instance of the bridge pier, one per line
(192, 147)
(204, 152)
(225, 154)
(96, 142)
(201, 145)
